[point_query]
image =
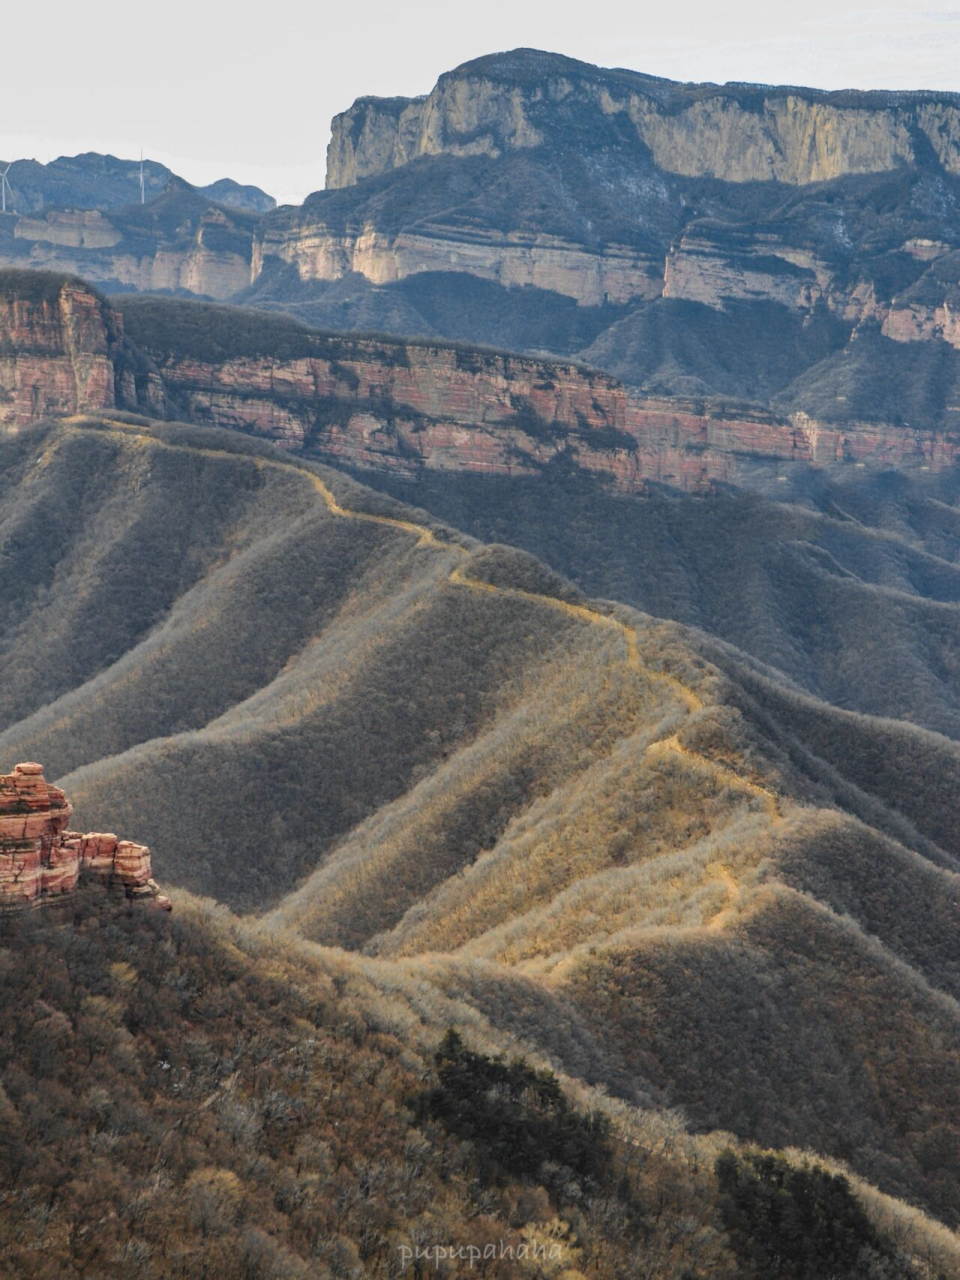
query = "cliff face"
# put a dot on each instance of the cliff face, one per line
(592, 275)
(180, 242)
(41, 861)
(399, 405)
(71, 240)
(56, 354)
(738, 133)
(62, 352)
(407, 407)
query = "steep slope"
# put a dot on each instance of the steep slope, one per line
(414, 406)
(315, 703)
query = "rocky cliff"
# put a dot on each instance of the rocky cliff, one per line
(734, 132)
(399, 405)
(62, 351)
(41, 861)
(182, 241)
(731, 241)
(384, 404)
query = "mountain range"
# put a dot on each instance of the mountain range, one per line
(781, 246)
(515, 597)
(96, 181)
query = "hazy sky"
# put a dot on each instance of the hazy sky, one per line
(220, 90)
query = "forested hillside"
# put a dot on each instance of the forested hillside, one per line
(589, 827)
(186, 1097)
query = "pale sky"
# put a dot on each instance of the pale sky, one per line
(214, 90)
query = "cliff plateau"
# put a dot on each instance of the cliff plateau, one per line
(775, 245)
(734, 132)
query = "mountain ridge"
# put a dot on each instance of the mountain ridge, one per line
(93, 180)
(562, 795)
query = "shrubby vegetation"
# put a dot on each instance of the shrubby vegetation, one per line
(624, 846)
(517, 1117)
(180, 1098)
(38, 286)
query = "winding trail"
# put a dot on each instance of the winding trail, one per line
(722, 772)
(427, 538)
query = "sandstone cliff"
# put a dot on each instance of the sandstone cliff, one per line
(402, 406)
(738, 133)
(385, 404)
(41, 861)
(62, 351)
(181, 241)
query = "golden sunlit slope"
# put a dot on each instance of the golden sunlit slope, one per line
(620, 843)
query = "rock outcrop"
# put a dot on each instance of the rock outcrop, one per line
(62, 351)
(41, 861)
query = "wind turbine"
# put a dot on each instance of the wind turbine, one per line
(143, 197)
(5, 187)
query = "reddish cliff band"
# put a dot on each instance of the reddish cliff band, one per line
(393, 405)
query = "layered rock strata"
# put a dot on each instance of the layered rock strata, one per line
(406, 407)
(88, 241)
(385, 403)
(592, 274)
(735, 132)
(41, 861)
(62, 351)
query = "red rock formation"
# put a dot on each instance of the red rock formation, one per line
(40, 860)
(62, 352)
(389, 405)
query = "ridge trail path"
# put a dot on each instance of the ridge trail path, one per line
(427, 538)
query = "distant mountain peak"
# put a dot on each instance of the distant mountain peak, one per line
(95, 180)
